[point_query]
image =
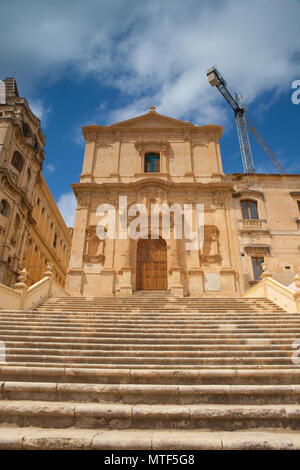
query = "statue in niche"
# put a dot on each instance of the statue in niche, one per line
(94, 252)
(211, 250)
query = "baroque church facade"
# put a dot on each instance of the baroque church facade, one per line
(154, 159)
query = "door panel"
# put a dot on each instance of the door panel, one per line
(151, 269)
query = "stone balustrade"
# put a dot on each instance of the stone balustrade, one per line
(252, 224)
(282, 295)
(22, 297)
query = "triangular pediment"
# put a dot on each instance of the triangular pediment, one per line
(152, 120)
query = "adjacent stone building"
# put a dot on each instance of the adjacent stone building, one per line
(32, 230)
(152, 158)
(267, 211)
(49, 240)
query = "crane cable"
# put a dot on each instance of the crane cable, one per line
(264, 146)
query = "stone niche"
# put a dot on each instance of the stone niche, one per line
(210, 255)
(94, 248)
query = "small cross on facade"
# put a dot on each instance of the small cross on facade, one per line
(152, 108)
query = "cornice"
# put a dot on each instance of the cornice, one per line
(249, 192)
(245, 176)
(88, 188)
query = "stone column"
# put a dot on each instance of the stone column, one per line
(196, 280)
(126, 281)
(196, 275)
(75, 273)
(163, 158)
(88, 160)
(116, 155)
(188, 156)
(107, 273)
(176, 287)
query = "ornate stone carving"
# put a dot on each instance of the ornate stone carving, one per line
(83, 201)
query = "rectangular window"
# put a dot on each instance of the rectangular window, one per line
(152, 163)
(257, 268)
(249, 209)
(298, 202)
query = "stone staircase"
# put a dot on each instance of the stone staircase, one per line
(158, 302)
(150, 372)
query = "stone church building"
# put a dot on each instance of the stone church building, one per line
(248, 218)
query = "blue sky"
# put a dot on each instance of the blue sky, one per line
(82, 62)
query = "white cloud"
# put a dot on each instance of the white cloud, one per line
(156, 52)
(39, 110)
(67, 205)
(50, 168)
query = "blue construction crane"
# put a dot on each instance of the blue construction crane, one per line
(242, 123)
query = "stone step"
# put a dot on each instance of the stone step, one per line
(169, 305)
(143, 320)
(149, 325)
(144, 337)
(89, 347)
(175, 301)
(145, 323)
(31, 438)
(113, 343)
(155, 367)
(183, 315)
(160, 310)
(221, 326)
(151, 296)
(160, 307)
(151, 394)
(208, 323)
(148, 361)
(154, 332)
(232, 376)
(146, 353)
(124, 416)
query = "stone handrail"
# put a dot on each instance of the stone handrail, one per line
(22, 297)
(10, 299)
(280, 294)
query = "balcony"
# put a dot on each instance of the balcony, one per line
(253, 225)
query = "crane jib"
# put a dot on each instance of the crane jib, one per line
(242, 123)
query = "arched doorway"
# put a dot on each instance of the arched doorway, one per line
(151, 269)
